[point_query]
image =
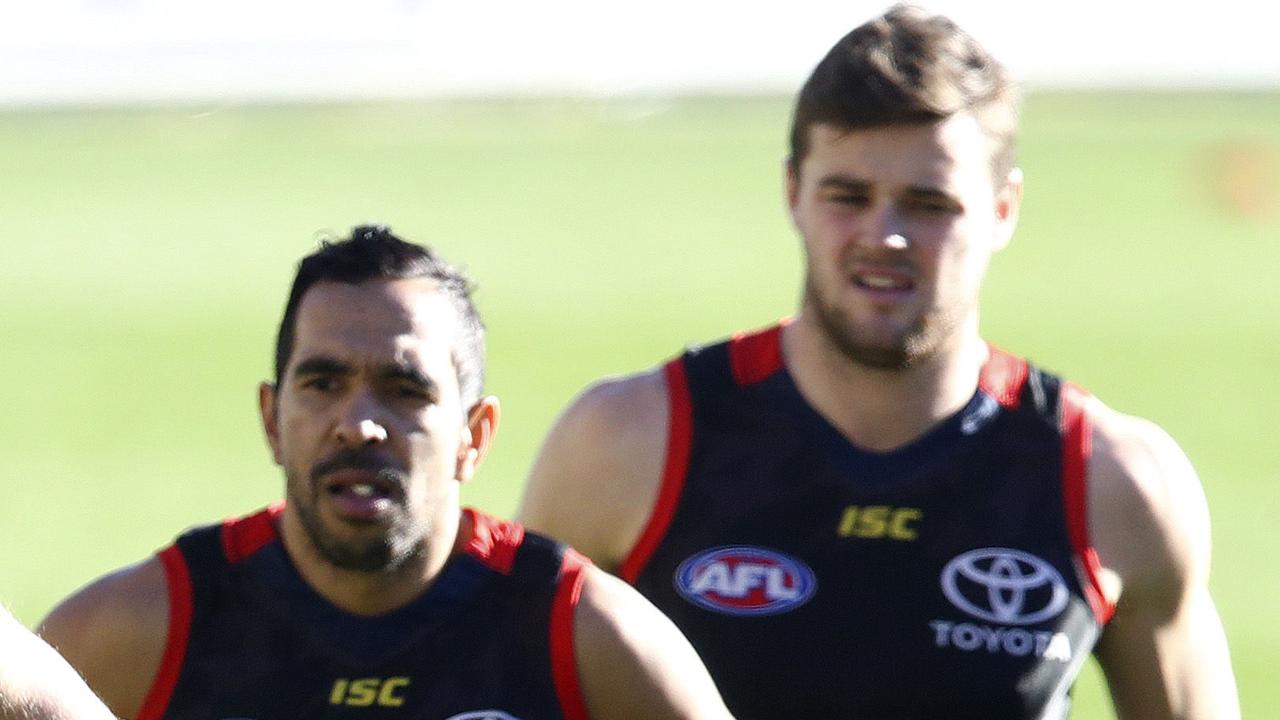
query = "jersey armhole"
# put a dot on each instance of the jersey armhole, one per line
(676, 465)
(564, 662)
(1077, 446)
(178, 584)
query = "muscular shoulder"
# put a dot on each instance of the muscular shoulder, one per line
(113, 631)
(633, 661)
(1148, 515)
(36, 683)
(599, 469)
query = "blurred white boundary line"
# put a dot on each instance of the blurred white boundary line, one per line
(127, 51)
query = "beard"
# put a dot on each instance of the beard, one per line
(916, 342)
(367, 551)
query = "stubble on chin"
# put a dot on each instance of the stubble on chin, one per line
(842, 332)
(402, 542)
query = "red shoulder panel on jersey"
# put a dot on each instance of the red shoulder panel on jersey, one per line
(178, 582)
(679, 440)
(1003, 376)
(1077, 446)
(756, 355)
(564, 663)
(494, 542)
(242, 537)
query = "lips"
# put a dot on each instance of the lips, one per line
(883, 280)
(362, 494)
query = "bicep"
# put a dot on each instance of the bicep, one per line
(1161, 665)
(1164, 652)
(634, 662)
(113, 632)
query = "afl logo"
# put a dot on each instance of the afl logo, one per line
(483, 715)
(1004, 586)
(744, 580)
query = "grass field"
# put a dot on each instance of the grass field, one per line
(146, 255)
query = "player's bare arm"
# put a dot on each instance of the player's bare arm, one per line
(113, 631)
(633, 662)
(1164, 653)
(597, 476)
(36, 683)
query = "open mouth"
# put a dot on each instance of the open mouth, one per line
(361, 494)
(883, 280)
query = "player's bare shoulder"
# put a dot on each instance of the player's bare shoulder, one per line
(632, 659)
(599, 470)
(1164, 653)
(1148, 515)
(113, 631)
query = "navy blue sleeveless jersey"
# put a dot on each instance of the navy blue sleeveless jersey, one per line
(952, 578)
(491, 639)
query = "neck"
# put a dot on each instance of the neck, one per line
(379, 592)
(882, 409)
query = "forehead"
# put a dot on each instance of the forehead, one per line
(376, 321)
(952, 154)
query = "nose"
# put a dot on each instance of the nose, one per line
(885, 229)
(358, 424)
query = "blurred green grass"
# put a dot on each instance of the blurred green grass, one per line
(146, 254)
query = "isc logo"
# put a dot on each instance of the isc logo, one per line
(364, 692)
(743, 580)
(879, 521)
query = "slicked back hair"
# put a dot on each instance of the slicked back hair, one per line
(909, 67)
(373, 252)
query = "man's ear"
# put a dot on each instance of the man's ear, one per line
(477, 436)
(267, 408)
(1008, 203)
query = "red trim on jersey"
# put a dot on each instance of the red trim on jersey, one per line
(1077, 446)
(178, 582)
(494, 542)
(1003, 376)
(564, 663)
(756, 355)
(679, 439)
(244, 536)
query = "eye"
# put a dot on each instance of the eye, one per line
(850, 199)
(320, 384)
(410, 392)
(413, 392)
(933, 207)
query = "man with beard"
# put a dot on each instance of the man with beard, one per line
(867, 510)
(370, 592)
(36, 683)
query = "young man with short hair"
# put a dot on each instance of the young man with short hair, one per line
(867, 510)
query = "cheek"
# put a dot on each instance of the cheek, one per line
(962, 268)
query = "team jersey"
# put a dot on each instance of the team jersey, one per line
(952, 578)
(249, 639)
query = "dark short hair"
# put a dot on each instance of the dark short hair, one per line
(373, 252)
(909, 67)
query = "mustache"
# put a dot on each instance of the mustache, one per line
(358, 459)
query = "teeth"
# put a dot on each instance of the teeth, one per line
(363, 489)
(879, 282)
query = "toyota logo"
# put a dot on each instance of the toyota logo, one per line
(1004, 586)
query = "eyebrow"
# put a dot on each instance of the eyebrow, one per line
(323, 365)
(843, 182)
(408, 372)
(400, 371)
(852, 184)
(931, 193)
